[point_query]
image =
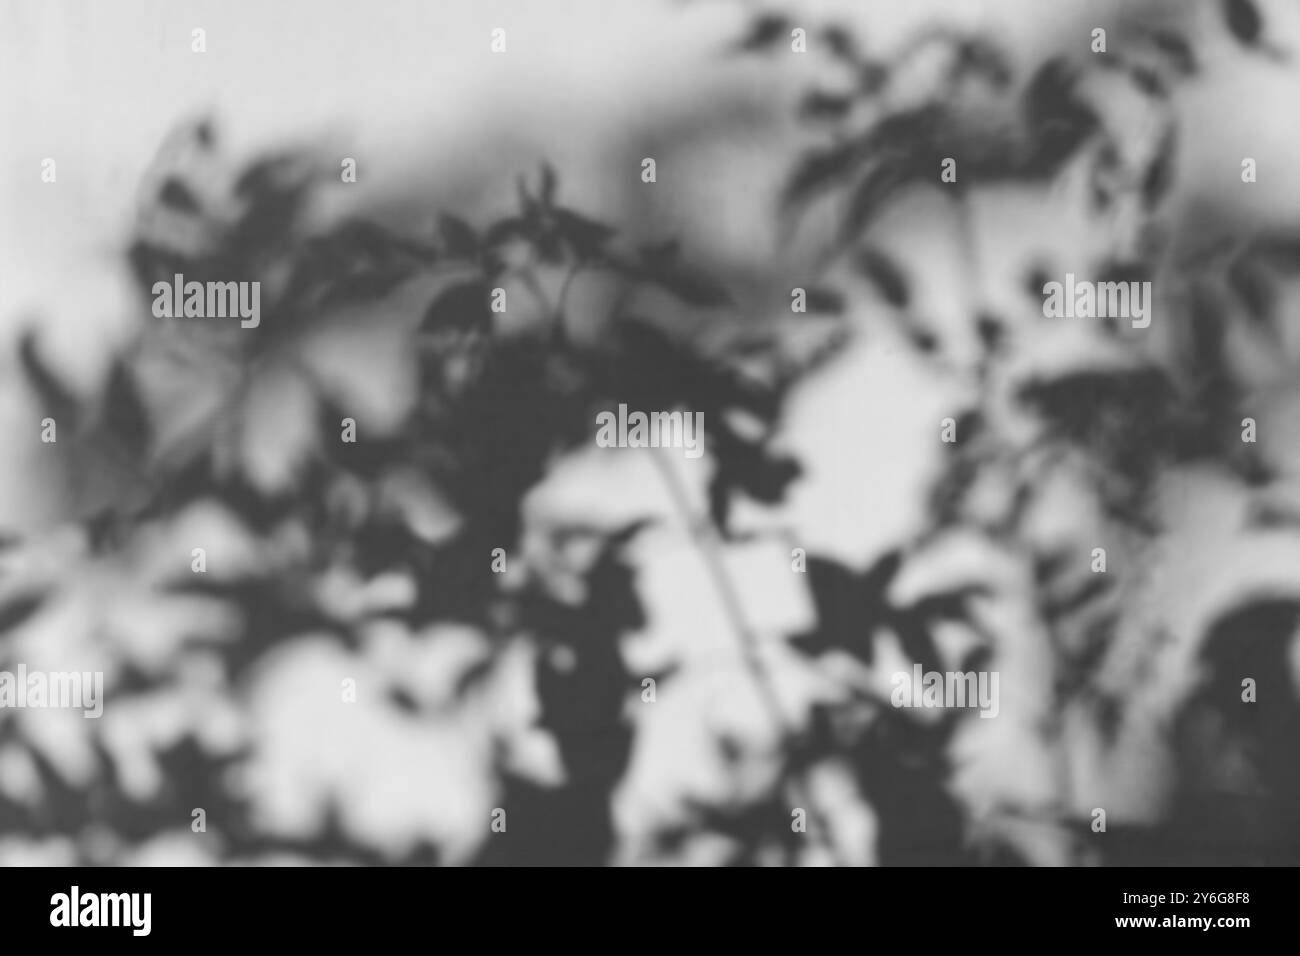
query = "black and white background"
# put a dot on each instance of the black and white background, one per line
(476, 635)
